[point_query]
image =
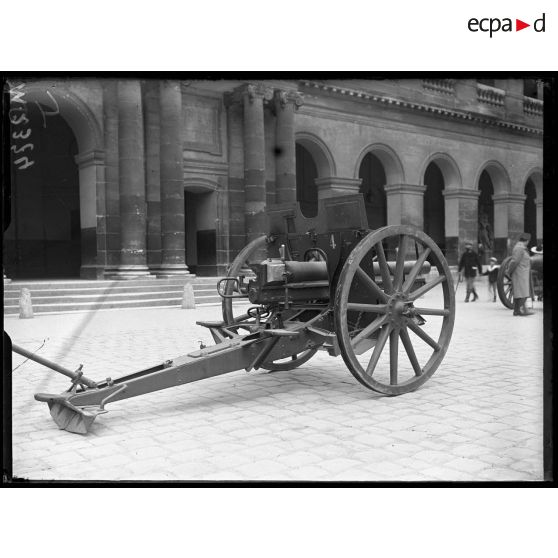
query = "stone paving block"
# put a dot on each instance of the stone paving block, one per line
(495, 443)
(466, 464)
(308, 473)
(513, 435)
(264, 468)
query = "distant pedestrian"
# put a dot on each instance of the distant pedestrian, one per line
(492, 272)
(470, 265)
(520, 272)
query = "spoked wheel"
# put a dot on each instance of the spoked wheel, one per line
(246, 320)
(504, 284)
(377, 305)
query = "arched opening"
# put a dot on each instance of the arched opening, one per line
(373, 180)
(200, 217)
(434, 206)
(306, 174)
(485, 217)
(44, 237)
(530, 211)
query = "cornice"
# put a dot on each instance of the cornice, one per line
(509, 197)
(460, 193)
(89, 158)
(444, 112)
(404, 189)
(204, 167)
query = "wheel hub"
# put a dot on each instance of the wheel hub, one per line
(398, 308)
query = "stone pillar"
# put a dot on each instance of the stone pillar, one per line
(516, 215)
(173, 251)
(108, 233)
(539, 206)
(133, 253)
(500, 250)
(152, 120)
(405, 204)
(461, 209)
(285, 104)
(331, 186)
(254, 160)
(92, 201)
(466, 93)
(235, 191)
(514, 98)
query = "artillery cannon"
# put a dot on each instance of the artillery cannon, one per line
(326, 283)
(504, 282)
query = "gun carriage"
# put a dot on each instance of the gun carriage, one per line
(504, 282)
(382, 299)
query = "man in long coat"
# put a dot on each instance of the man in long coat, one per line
(470, 265)
(520, 272)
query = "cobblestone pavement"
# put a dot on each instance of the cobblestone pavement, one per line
(479, 418)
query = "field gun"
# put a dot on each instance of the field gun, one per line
(323, 283)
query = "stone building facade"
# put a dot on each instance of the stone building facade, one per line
(146, 178)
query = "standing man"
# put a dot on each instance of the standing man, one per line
(470, 264)
(520, 272)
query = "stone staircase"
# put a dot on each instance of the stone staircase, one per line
(58, 296)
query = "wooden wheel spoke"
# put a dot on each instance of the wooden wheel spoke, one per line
(415, 270)
(427, 287)
(393, 356)
(400, 262)
(407, 343)
(378, 348)
(375, 303)
(384, 269)
(369, 330)
(424, 336)
(432, 311)
(359, 307)
(371, 284)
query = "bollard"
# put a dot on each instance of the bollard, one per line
(25, 305)
(188, 300)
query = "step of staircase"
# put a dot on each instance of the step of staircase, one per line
(62, 296)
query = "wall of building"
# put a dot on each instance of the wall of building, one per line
(232, 133)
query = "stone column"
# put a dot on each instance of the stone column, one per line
(331, 186)
(285, 104)
(461, 209)
(173, 251)
(539, 205)
(516, 215)
(254, 160)
(235, 190)
(110, 239)
(405, 204)
(92, 201)
(133, 253)
(500, 226)
(152, 119)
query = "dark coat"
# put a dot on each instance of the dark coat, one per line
(470, 263)
(492, 273)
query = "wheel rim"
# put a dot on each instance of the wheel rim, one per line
(504, 284)
(379, 310)
(240, 263)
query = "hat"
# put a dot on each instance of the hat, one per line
(493, 259)
(468, 244)
(524, 236)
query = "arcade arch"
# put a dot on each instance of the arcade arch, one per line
(54, 203)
